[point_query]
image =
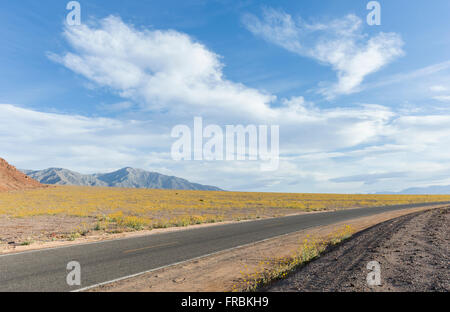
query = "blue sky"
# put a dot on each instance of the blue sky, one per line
(375, 117)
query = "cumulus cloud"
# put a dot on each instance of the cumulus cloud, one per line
(307, 128)
(36, 140)
(169, 70)
(178, 78)
(329, 151)
(157, 69)
(339, 43)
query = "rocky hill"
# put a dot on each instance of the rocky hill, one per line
(126, 177)
(12, 179)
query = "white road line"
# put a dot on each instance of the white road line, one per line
(150, 247)
(190, 229)
(193, 259)
(134, 236)
(184, 261)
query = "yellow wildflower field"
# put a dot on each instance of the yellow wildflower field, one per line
(149, 208)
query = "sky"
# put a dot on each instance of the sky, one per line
(360, 108)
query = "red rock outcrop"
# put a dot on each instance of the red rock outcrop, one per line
(12, 179)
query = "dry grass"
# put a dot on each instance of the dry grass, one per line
(136, 209)
(272, 269)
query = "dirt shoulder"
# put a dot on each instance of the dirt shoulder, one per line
(413, 252)
(223, 271)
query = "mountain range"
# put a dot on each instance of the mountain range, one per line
(126, 177)
(430, 190)
(138, 178)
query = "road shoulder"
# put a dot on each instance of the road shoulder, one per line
(224, 270)
(410, 253)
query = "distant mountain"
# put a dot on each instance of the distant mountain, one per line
(430, 190)
(126, 177)
(61, 176)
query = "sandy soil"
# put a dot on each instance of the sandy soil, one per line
(220, 272)
(17, 231)
(413, 252)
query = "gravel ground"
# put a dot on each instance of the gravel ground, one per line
(413, 252)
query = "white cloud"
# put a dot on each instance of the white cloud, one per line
(438, 88)
(442, 98)
(412, 89)
(168, 70)
(158, 69)
(339, 43)
(319, 153)
(36, 140)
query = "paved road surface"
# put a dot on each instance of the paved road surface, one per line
(45, 270)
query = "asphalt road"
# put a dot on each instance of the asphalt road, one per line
(46, 270)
